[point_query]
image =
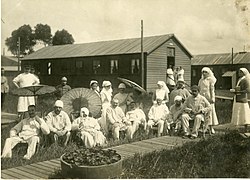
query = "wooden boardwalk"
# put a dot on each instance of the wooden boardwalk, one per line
(7, 118)
(43, 170)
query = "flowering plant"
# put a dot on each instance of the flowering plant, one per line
(91, 157)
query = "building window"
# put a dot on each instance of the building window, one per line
(49, 68)
(96, 66)
(194, 73)
(135, 66)
(64, 68)
(170, 52)
(113, 66)
(79, 66)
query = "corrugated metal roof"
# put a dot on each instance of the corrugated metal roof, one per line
(229, 74)
(216, 59)
(8, 61)
(123, 46)
(10, 68)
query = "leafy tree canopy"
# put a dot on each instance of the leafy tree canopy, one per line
(62, 37)
(43, 33)
(27, 40)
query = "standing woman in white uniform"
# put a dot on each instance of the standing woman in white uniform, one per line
(23, 80)
(241, 110)
(207, 89)
(106, 97)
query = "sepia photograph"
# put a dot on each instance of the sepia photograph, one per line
(125, 89)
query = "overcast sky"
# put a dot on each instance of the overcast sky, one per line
(203, 26)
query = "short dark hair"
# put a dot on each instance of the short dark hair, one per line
(195, 87)
(32, 106)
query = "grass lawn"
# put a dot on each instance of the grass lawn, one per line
(224, 156)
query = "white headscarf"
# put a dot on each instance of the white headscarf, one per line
(210, 74)
(108, 92)
(92, 82)
(58, 103)
(246, 75)
(245, 72)
(160, 93)
(85, 110)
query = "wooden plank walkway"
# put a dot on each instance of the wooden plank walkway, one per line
(7, 118)
(43, 170)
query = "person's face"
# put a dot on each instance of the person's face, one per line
(2, 71)
(159, 86)
(195, 92)
(83, 114)
(121, 90)
(32, 112)
(179, 85)
(26, 70)
(159, 101)
(177, 103)
(115, 104)
(107, 87)
(94, 86)
(64, 82)
(241, 74)
(205, 74)
(57, 110)
(132, 105)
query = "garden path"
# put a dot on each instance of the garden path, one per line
(43, 170)
(7, 118)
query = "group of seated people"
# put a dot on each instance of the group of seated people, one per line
(58, 125)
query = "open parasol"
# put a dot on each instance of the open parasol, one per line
(77, 98)
(35, 90)
(132, 84)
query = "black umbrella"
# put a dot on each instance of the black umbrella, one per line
(35, 90)
(132, 85)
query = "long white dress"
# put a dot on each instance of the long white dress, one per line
(23, 80)
(241, 110)
(90, 131)
(207, 90)
(170, 77)
(106, 97)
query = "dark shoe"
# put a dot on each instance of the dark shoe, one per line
(193, 137)
(185, 136)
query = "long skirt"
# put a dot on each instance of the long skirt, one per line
(213, 120)
(240, 114)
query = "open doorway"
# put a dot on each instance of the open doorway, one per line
(171, 61)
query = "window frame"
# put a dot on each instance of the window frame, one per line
(135, 61)
(115, 63)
